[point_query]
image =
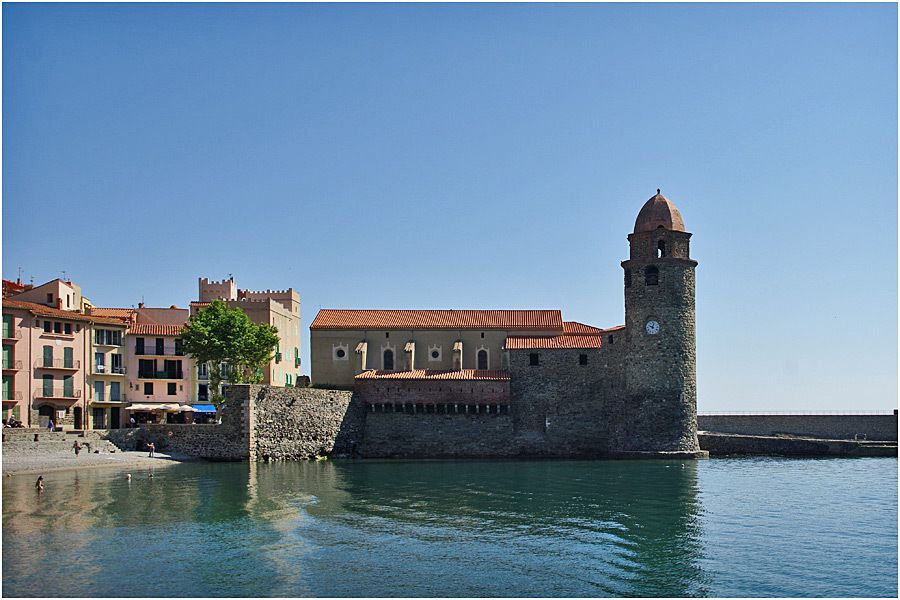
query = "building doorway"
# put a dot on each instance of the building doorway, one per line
(77, 416)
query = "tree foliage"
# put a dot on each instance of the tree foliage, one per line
(219, 335)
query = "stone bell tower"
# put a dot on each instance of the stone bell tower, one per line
(659, 410)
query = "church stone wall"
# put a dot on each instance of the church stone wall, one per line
(431, 435)
(433, 392)
(560, 407)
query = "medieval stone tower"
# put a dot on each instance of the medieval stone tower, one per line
(660, 403)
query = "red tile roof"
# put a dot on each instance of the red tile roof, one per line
(119, 313)
(154, 329)
(492, 375)
(437, 319)
(576, 328)
(553, 342)
(46, 311)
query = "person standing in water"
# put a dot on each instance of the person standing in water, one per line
(39, 484)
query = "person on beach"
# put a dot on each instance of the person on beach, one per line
(76, 447)
(50, 425)
(131, 422)
(39, 484)
(128, 477)
(151, 448)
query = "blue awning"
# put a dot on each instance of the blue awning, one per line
(203, 408)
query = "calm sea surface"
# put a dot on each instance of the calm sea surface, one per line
(721, 527)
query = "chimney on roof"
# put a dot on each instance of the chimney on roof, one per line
(59, 303)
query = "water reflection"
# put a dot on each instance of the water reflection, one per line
(598, 528)
(442, 528)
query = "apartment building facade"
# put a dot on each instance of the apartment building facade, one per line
(279, 308)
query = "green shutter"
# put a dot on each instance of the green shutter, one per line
(48, 356)
(67, 358)
(7, 326)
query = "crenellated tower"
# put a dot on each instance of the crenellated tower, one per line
(660, 404)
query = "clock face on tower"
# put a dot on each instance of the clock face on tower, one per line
(652, 327)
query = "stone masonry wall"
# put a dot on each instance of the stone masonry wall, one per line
(559, 406)
(873, 427)
(432, 392)
(431, 435)
(301, 423)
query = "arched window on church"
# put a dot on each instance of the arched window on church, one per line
(651, 276)
(661, 249)
(388, 360)
(482, 360)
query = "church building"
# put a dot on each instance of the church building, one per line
(563, 387)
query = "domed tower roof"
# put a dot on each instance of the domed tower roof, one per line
(658, 212)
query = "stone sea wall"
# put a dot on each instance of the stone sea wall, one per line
(299, 423)
(436, 435)
(726, 444)
(872, 427)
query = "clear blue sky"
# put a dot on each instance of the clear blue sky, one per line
(476, 156)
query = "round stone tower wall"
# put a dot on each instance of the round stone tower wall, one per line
(659, 410)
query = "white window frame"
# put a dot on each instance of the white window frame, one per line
(334, 350)
(439, 351)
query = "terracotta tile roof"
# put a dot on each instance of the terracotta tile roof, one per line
(576, 328)
(120, 313)
(437, 319)
(154, 329)
(554, 342)
(46, 311)
(492, 375)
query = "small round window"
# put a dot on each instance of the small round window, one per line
(340, 353)
(435, 354)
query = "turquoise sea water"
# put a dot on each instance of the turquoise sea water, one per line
(721, 527)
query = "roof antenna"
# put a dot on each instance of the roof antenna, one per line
(64, 276)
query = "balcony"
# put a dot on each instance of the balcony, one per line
(16, 397)
(160, 375)
(104, 370)
(57, 363)
(12, 365)
(120, 400)
(12, 334)
(56, 393)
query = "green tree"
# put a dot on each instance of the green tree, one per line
(219, 335)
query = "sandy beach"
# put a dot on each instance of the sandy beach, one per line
(16, 464)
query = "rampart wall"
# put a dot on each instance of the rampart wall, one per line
(872, 427)
(433, 392)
